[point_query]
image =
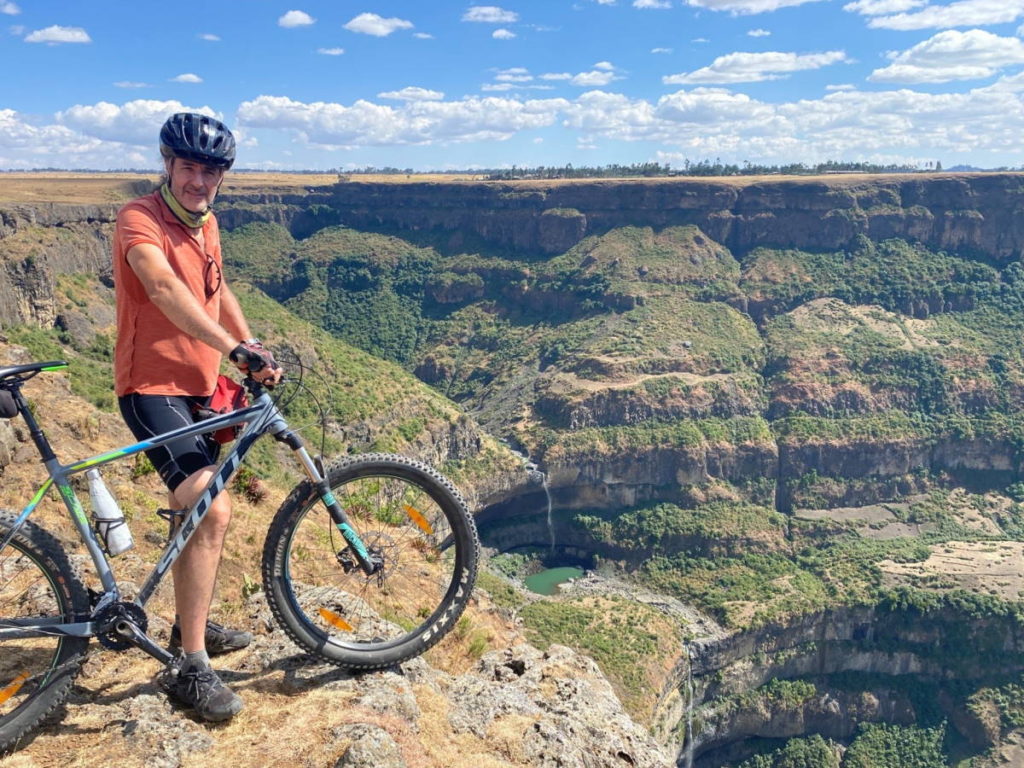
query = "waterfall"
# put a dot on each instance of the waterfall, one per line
(551, 525)
(688, 743)
(536, 476)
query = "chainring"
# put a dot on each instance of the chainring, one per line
(107, 618)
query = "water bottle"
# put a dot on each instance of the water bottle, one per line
(109, 520)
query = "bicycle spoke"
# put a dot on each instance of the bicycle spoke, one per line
(25, 593)
(415, 528)
(397, 522)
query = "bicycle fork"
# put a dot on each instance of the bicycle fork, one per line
(370, 563)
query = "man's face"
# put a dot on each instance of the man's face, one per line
(193, 184)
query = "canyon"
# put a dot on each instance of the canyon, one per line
(714, 370)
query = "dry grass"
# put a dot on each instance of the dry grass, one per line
(94, 188)
(283, 723)
(86, 188)
(985, 567)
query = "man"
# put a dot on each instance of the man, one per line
(176, 317)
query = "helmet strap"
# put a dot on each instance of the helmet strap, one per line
(185, 216)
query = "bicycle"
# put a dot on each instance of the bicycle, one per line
(367, 563)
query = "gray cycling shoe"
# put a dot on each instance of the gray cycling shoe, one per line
(219, 639)
(201, 689)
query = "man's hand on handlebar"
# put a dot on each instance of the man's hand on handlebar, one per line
(252, 359)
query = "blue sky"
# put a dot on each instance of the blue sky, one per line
(441, 85)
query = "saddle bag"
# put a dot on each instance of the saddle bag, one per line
(228, 396)
(8, 408)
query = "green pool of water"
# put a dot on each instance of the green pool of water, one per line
(546, 582)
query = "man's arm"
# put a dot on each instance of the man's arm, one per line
(175, 300)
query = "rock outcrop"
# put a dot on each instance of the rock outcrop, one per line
(41, 241)
(517, 707)
(937, 649)
(980, 213)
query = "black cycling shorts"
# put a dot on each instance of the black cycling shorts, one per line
(151, 415)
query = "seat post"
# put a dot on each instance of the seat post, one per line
(42, 444)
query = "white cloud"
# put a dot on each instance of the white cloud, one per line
(210, 38)
(331, 125)
(372, 24)
(755, 67)
(514, 75)
(841, 87)
(981, 126)
(331, 51)
(661, 50)
(746, 7)
(556, 76)
(700, 40)
(879, 7)
(952, 55)
(423, 35)
(593, 79)
(25, 145)
(130, 84)
(964, 13)
(187, 77)
(412, 93)
(9, 8)
(605, 2)
(503, 34)
(55, 34)
(652, 4)
(605, 66)
(490, 14)
(758, 33)
(295, 19)
(135, 122)
(517, 78)
(715, 122)
(505, 87)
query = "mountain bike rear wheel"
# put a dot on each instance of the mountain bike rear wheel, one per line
(408, 515)
(37, 581)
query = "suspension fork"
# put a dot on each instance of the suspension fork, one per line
(370, 563)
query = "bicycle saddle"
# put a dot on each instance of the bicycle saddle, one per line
(32, 368)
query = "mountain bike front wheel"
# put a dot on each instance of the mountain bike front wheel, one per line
(37, 582)
(407, 515)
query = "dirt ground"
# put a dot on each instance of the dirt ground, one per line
(91, 188)
(991, 567)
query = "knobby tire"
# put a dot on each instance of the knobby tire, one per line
(36, 581)
(405, 512)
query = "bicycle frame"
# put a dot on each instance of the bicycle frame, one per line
(260, 418)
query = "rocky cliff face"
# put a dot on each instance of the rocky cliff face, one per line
(981, 212)
(796, 351)
(933, 651)
(39, 242)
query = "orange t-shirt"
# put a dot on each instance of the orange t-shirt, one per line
(153, 356)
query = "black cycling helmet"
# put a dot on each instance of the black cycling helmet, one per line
(197, 137)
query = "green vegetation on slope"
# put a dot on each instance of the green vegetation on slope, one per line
(630, 641)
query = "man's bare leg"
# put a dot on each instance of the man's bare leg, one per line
(195, 570)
